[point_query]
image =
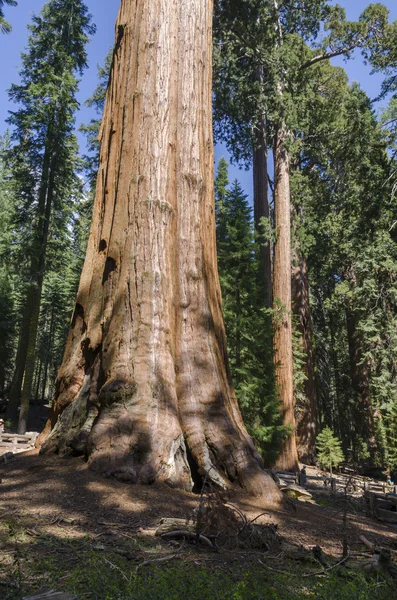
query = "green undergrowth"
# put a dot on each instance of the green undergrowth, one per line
(101, 575)
(135, 567)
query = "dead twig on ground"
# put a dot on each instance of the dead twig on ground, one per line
(324, 571)
(189, 536)
(161, 559)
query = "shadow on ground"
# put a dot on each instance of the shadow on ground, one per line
(57, 518)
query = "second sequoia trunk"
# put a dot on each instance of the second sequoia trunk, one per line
(282, 294)
(144, 388)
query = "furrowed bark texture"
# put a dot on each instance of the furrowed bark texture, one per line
(288, 459)
(144, 387)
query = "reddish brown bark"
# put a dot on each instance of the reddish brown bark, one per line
(144, 388)
(307, 419)
(288, 459)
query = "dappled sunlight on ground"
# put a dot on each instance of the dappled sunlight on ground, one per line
(62, 494)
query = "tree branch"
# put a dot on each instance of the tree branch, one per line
(326, 56)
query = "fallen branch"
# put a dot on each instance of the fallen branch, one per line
(371, 547)
(297, 574)
(160, 560)
(328, 569)
(188, 535)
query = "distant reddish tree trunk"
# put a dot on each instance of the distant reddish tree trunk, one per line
(144, 388)
(307, 421)
(282, 295)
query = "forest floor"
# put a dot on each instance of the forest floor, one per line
(65, 527)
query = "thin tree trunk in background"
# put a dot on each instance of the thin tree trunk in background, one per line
(238, 333)
(17, 379)
(336, 408)
(24, 345)
(38, 267)
(144, 381)
(48, 356)
(37, 381)
(307, 424)
(261, 202)
(363, 412)
(288, 458)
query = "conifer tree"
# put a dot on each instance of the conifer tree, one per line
(330, 453)
(5, 27)
(246, 320)
(275, 36)
(7, 292)
(44, 156)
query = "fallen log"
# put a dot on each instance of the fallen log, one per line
(371, 547)
(174, 524)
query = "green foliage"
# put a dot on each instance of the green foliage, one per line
(7, 281)
(91, 130)
(92, 574)
(7, 326)
(43, 165)
(345, 191)
(264, 53)
(5, 27)
(329, 450)
(248, 324)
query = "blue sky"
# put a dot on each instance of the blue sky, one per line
(104, 15)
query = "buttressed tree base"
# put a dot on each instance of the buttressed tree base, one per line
(144, 389)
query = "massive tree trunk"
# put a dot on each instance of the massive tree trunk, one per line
(288, 459)
(307, 421)
(144, 389)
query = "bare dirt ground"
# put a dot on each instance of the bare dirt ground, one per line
(45, 500)
(49, 488)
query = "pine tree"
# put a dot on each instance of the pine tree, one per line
(246, 320)
(7, 292)
(329, 450)
(5, 27)
(275, 38)
(44, 156)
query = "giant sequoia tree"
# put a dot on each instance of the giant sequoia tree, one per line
(144, 389)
